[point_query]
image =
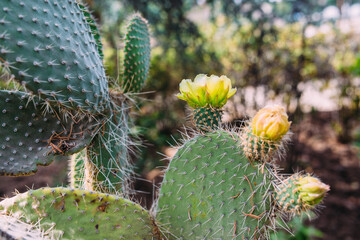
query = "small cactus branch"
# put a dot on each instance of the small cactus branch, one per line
(300, 193)
(137, 54)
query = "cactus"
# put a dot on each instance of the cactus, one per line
(137, 54)
(54, 50)
(266, 133)
(222, 183)
(79, 214)
(300, 193)
(212, 190)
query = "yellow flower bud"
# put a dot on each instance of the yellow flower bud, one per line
(206, 91)
(312, 190)
(270, 123)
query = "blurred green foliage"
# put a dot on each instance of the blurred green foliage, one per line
(300, 231)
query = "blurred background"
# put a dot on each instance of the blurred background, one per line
(304, 55)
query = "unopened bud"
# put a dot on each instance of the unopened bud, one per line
(312, 190)
(270, 123)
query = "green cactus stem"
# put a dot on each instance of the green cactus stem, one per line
(77, 170)
(207, 118)
(137, 54)
(78, 214)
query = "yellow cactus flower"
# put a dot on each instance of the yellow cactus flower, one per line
(270, 123)
(211, 91)
(312, 190)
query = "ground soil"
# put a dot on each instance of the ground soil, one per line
(315, 148)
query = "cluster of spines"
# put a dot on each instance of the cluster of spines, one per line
(106, 164)
(207, 118)
(11, 228)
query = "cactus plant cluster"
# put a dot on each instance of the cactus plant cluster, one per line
(221, 184)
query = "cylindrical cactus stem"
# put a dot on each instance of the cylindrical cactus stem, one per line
(300, 193)
(264, 134)
(207, 118)
(77, 170)
(206, 95)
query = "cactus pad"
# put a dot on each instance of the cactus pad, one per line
(212, 191)
(137, 54)
(29, 137)
(77, 214)
(49, 48)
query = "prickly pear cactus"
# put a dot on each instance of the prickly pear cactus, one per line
(30, 137)
(77, 214)
(211, 190)
(137, 54)
(49, 48)
(222, 184)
